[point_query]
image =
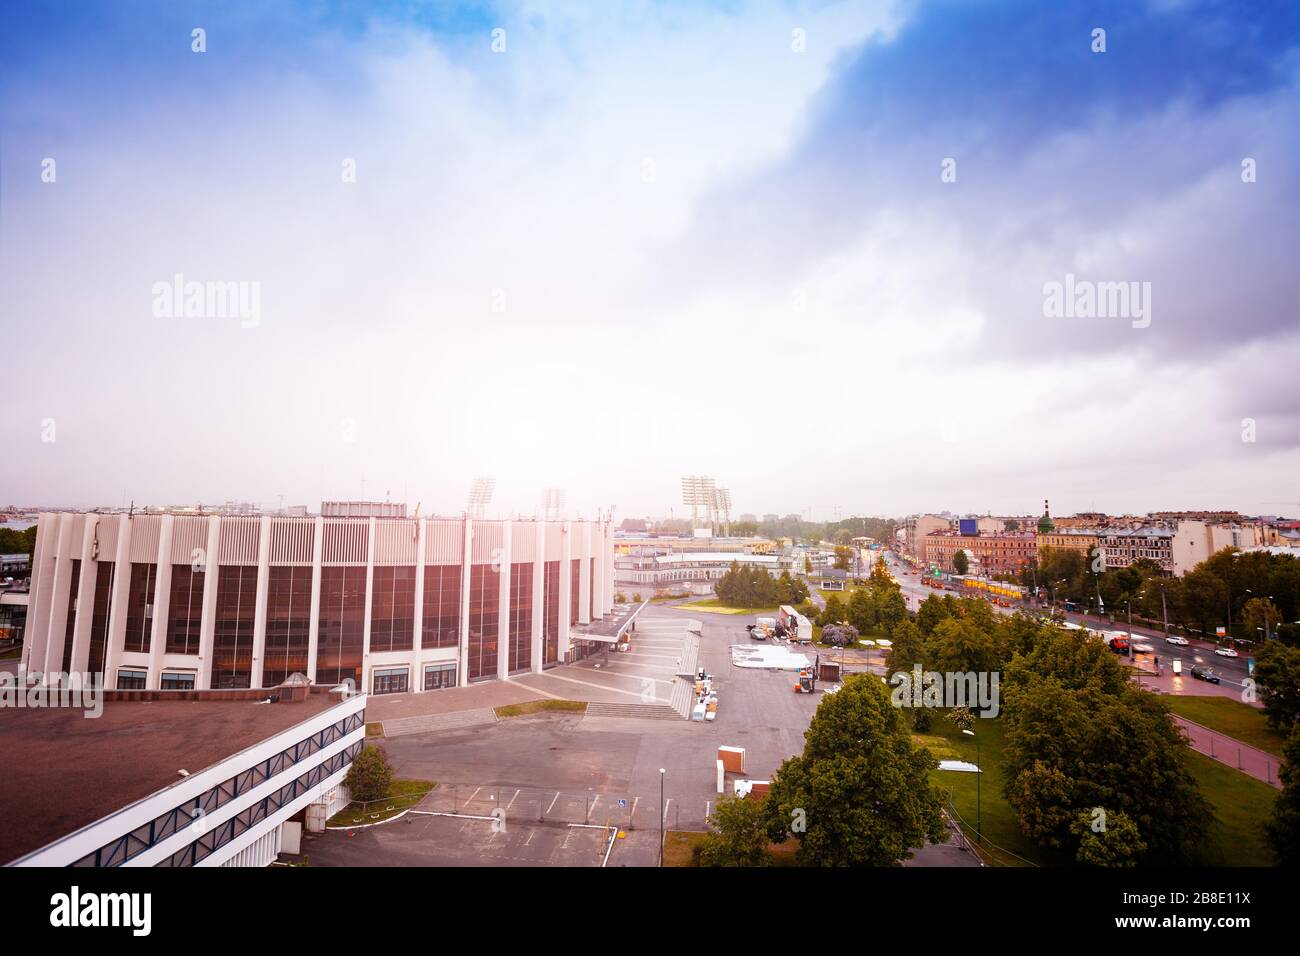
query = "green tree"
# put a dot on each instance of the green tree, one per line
(931, 613)
(960, 563)
(1261, 617)
(1277, 674)
(1283, 827)
(371, 775)
(739, 834)
(1107, 839)
(860, 793)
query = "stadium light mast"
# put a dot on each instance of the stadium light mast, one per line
(480, 495)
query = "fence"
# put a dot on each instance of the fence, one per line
(1228, 750)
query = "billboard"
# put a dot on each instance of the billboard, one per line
(968, 526)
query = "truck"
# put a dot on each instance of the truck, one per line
(797, 627)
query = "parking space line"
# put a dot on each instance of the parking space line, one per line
(552, 806)
(612, 690)
(667, 804)
(472, 796)
(512, 800)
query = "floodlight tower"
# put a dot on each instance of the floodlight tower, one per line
(552, 504)
(698, 492)
(480, 494)
(722, 502)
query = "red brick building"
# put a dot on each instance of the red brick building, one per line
(1004, 553)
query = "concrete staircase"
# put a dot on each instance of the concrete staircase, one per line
(640, 711)
(683, 697)
(433, 723)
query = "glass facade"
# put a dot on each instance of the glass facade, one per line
(484, 616)
(441, 624)
(232, 642)
(288, 624)
(551, 618)
(392, 609)
(131, 679)
(521, 617)
(342, 629)
(185, 610)
(439, 676)
(99, 621)
(575, 590)
(139, 607)
(72, 616)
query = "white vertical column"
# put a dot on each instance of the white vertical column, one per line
(85, 598)
(364, 677)
(259, 606)
(539, 598)
(417, 671)
(162, 599)
(583, 549)
(313, 627)
(51, 594)
(116, 637)
(503, 560)
(208, 625)
(598, 569)
(608, 550)
(466, 559)
(567, 597)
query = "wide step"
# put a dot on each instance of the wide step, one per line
(641, 711)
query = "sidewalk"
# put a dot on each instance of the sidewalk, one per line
(1249, 760)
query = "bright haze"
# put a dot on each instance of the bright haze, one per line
(615, 244)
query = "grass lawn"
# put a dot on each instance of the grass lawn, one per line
(1229, 717)
(374, 728)
(1240, 805)
(540, 706)
(999, 824)
(715, 606)
(403, 795)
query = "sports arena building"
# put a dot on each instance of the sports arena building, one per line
(197, 602)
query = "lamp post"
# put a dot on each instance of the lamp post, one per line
(979, 775)
(662, 771)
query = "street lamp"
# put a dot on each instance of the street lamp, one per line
(979, 774)
(662, 771)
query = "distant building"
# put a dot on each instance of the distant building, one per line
(1069, 539)
(1194, 541)
(915, 530)
(1126, 546)
(1005, 553)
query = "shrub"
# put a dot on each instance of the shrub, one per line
(371, 776)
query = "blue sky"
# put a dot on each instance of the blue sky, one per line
(704, 228)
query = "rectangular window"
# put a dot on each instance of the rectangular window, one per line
(391, 680)
(521, 617)
(72, 616)
(232, 643)
(440, 626)
(484, 619)
(100, 618)
(139, 607)
(574, 589)
(551, 621)
(439, 676)
(591, 591)
(392, 608)
(131, 679)
(177, 681)
(185, 610)
(342, 625)
(288, 624)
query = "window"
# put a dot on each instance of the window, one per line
(131, 679)
(484, 618)
(574, 589)
(392, 609)
(288, 624)
(232, 644)
(72, 616)
(139, 607)
(521, 617)
(342, 625)
(177, 681)
(551, 620)
(440, 626)
(391, 680)
(100, 618)
(185, 610)
(439, 676)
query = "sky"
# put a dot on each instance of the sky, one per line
(807, 248)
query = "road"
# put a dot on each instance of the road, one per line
(1233, 672)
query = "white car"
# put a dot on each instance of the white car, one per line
(1180, 641)
(1226, 652)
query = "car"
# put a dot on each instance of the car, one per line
(1226, 652)
(1180, 641)
(1205, 674)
